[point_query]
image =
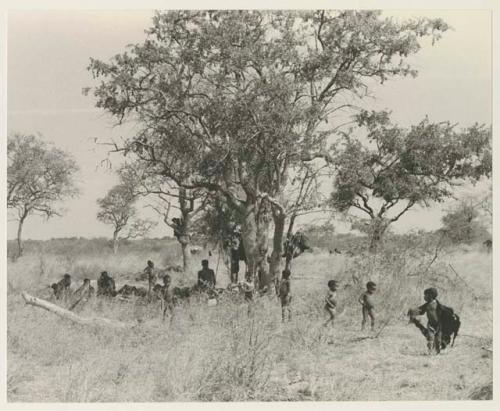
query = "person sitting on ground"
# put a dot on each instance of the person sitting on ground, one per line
(85, 291)
(206, 277)
(83, 294)
(368, 308)
(331, 302)
(62, 288)
(106, 285)
(285, 295)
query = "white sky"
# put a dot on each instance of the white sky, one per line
(48, 52)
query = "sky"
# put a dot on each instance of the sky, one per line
(49, 51)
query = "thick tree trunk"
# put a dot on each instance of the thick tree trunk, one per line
(262, 266)
(61, 312)
(19, 237)
(249, 238)
(379, 227)
(186, 254)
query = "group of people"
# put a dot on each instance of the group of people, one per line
(366, 301)
(442, 322)
(62, 290)
(105, 286)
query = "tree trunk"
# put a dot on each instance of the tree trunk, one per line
(289, 252)
(61, 312)
(249, 238)
(262, 266)
(186, 254)
(379, 227)
(184, 228)
(115, 242)
(19, 235)
(276, 255)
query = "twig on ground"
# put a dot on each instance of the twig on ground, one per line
(465, 282)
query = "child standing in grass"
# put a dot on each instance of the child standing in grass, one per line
(368, 308)
(150, 272)
(167, 298)
(285, 295)
(331, 302)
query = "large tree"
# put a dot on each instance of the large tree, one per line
(391, 169)
(234, 101)
(39, 177)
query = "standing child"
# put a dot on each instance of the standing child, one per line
(150, 272)
(248, 289)
(167, 298)
(368, 308)
(285, 295)
(331, 302)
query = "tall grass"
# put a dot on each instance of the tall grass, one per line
(239, 351)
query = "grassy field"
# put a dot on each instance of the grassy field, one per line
(225, 353)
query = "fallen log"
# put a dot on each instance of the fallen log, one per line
(63, 313)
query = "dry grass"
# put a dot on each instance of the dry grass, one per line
(223, 353)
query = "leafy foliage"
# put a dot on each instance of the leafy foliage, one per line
(235, 102)
(39, 177)
(461, 223)
(117, 208)
(230, 100)
(406, 167)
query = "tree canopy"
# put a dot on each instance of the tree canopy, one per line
(396, 168)
(39, 177)
(234, 101)
(117, 208)
(462, 223)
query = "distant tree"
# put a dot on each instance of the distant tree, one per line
(39, 177)
(117, 209)
(321, 235)
(461, 224)
(399, 168)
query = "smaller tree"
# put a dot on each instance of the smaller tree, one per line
(320, 235)
(188, 205)
(39, 177)
(117, 209)
(167, 194)
(461, 224)
(396, 168)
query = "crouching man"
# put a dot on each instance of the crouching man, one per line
(442, 322)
